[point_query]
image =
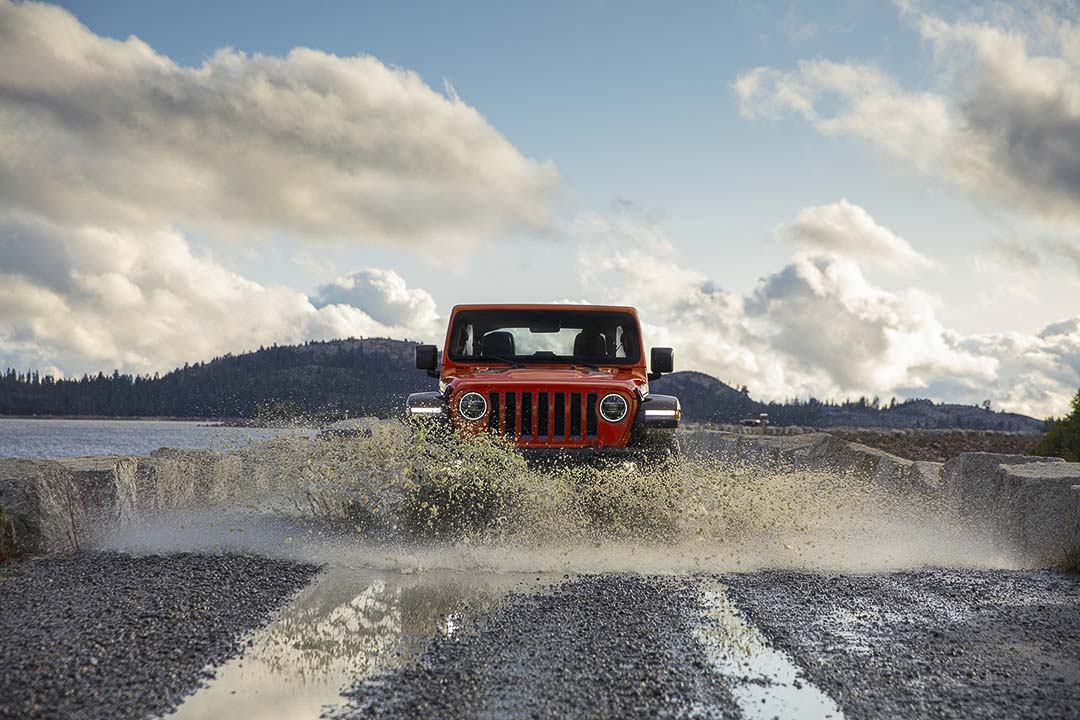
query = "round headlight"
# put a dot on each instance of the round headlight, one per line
(613, 408)
(472, 406)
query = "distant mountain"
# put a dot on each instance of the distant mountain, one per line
(347, 378)
(706, 399)
(325, 380)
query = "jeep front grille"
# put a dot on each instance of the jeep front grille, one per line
(543, 415)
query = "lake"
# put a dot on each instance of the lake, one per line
(46, 438)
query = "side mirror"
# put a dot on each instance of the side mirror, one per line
(662, 361)
(427, 357)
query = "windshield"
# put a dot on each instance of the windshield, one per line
(522, 336)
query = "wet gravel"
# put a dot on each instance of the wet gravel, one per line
(612, 646)
(107, 635)
(935, 643)
(111, 635)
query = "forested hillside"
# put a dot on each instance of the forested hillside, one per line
(346, 378)
(706, 399)
(319, 379)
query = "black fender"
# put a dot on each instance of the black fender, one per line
(655, 423)
(427, 406)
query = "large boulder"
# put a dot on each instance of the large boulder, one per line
(971, 483)
(1043, 509)
(41, 508)
(106, 485)
(184, 478)
(926, 478)
(817, 451)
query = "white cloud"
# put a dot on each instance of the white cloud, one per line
(819, 327)
(112, 134)
(107, 148)
(1009, 132)
(847, 230)
(146, 303)
(385, 297)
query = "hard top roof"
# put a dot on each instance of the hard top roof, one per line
(545, 306)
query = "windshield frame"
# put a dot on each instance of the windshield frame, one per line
(530, 316)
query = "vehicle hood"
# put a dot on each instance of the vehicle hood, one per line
(542, 376)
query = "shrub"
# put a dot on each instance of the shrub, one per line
(1063, 438)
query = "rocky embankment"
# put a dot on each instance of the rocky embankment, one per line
(1027, 505)
(69, 504)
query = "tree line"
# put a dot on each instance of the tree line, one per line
(325, 380)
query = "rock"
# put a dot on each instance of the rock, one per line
(7, 536)
(42, 507)
(926, 478)
(702, 441)
(106, 485)
(1026, 505)
(1041, 504)
(181, 478)
(970, 484)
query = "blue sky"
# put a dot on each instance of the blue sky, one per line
(741, 171)
(631, 101)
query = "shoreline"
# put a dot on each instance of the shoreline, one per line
(154, 418)
(236, 422)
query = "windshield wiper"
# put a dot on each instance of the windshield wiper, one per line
(498, 358)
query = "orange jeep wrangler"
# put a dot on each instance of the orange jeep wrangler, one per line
(557, 379)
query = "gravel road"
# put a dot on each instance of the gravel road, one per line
(107, 635)
(941, 643)
(613, 646)
(935, 643)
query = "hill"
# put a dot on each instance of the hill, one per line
(706, 399)
(339, 378)
(347, 378)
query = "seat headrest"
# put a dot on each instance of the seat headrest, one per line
(590, 343)
(498, 343)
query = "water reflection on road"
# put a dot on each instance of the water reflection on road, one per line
(349, 624)
(765, 681)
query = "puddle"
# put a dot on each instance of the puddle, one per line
(349, 624)
(766, 682)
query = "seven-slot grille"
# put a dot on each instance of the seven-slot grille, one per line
(543, 415)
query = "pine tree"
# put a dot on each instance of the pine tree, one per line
(1063, 438)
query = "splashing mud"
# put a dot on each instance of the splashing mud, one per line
(406, 500)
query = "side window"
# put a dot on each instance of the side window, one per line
(620, 342)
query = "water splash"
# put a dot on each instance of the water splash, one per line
(412, 501)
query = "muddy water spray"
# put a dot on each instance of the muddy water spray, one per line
(411, 501)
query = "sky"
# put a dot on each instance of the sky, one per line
(827, 199)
